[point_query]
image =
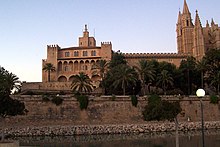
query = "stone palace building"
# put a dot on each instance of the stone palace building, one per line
(192, 40)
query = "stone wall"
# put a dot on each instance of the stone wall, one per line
(103, 110)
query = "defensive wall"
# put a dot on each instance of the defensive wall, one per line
(104, 110)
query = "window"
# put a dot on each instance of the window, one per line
(66, 68)
(84, 53)
(76, 53)
(93, 53)
(85, 67)
(67, 54)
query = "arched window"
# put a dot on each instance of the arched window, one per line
(76, 54)
(84, 53)
(93, 53)
(66, 68)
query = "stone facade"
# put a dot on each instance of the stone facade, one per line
(70, 61)
(193, 39)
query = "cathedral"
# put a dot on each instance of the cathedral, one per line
(193, 39)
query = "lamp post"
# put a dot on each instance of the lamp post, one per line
(201, 93)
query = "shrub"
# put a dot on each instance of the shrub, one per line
(214, 99)
(134, 100)
(57, 100)
(113, 97)
(45, 98)
(83, 101)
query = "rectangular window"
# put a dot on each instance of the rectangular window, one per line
(93, 53)
(84, 53)
(67, 54)
(76, 53)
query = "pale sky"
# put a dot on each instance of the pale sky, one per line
(133, 26)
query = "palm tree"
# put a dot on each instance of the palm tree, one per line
(48, 67)
(81, 83)
(202, 66)
(216, 80)
(102, 66)
(145, 71)
(124, 76)
(12, 83)
(164, 79)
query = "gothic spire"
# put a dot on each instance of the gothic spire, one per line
(212, 22)
(185, 8)
(207, 23)
(197, 20)
(179, 18)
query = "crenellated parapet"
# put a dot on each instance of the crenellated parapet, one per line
(106, 43)
(154, 55)
(54, 46)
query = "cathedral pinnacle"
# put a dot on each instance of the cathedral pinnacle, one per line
(197, 20)
(185, 8)
(86, 28)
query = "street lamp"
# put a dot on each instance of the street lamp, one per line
(201, 93)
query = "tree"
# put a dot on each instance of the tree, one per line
(81, 83)
(164, 80)
(102, 66)
(188, 67)
(117, 59)
(216, 81)
(202, 67)
(159, 110)
(145, 71)
(48, 67)
(9, 106)
(123, 77)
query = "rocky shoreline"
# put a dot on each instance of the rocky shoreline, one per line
(106, 129)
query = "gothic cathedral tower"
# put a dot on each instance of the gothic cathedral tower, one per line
(193, 39)
(184, 29)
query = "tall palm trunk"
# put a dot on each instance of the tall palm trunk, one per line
(123, 86)
(48, 75)
(202, 84)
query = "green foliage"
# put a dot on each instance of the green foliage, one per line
(113, 97)
(123, 76)
(81, 83)
(45, 98)
(48, 67)
(117, 59)
(57, 100)
(158, 109)
(134, 100)
(83, 101)
(8, 106)
(12, 107)
(214, 99)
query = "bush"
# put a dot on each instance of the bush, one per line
(83, 101)
(214, 99)
(158, 109)
(134, 100)
(175, 92)
(57, 100)
(45, 98)
(113, 97)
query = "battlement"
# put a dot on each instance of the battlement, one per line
(153, 55)
(55, 46)
(106, 43)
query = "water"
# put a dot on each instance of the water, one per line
(189, 139)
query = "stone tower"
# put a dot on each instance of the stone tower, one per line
(184, 31)
(193, 39)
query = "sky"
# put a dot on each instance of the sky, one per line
(133, 26)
